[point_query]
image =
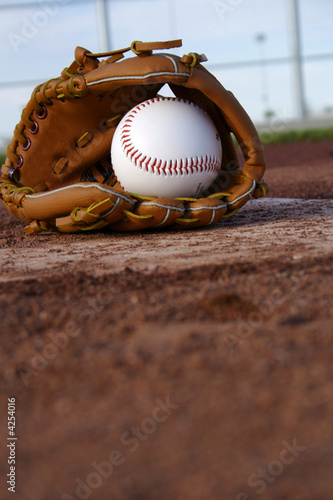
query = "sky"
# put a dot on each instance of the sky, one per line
(37, 42)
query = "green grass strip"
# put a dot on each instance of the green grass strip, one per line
(291, 136)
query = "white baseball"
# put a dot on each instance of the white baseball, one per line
(166, 147)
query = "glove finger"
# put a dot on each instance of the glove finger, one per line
(157, 212)
(201, 212)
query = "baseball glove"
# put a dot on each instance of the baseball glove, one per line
(58, 173)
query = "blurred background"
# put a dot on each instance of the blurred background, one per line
(276, 57)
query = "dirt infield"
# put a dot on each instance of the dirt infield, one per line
(176, 365)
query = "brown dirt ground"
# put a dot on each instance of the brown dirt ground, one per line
(176, 365)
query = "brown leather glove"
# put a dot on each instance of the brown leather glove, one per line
(58, 173)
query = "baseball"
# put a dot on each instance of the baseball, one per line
(166, 146)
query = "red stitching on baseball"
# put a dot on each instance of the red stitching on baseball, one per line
(142, 161)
